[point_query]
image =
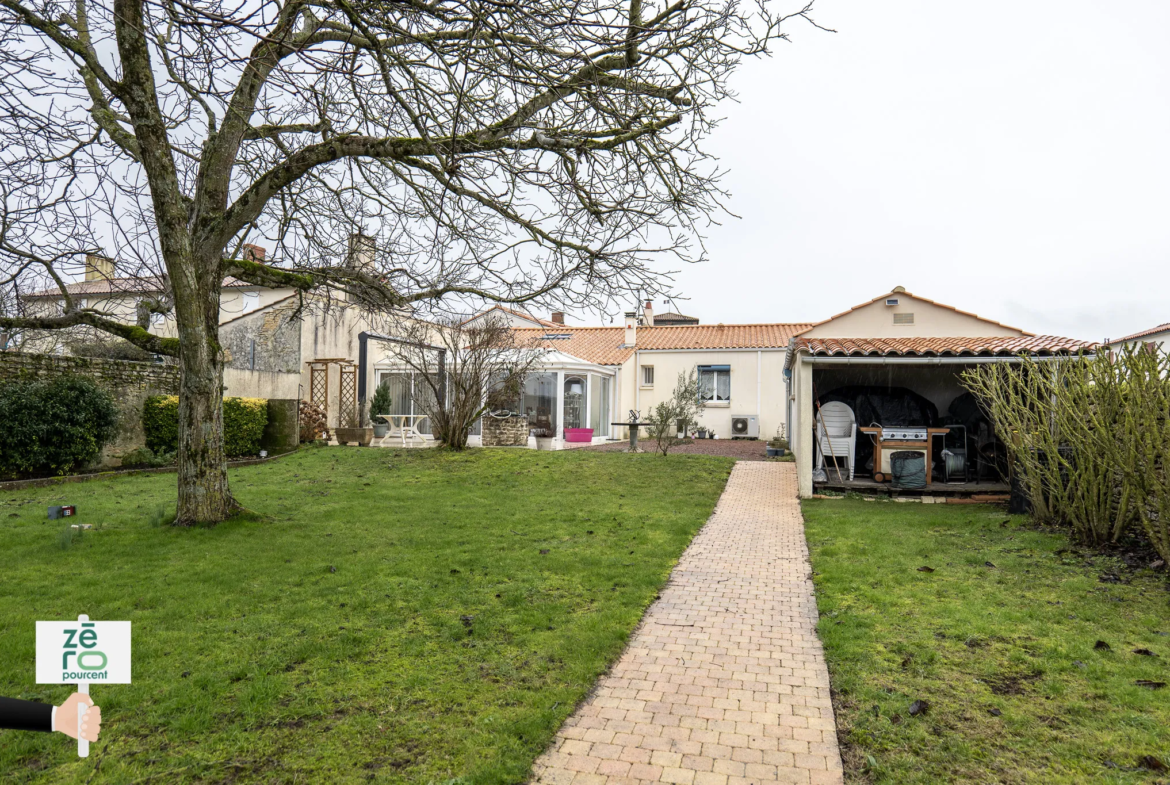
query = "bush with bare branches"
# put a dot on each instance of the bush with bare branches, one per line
(1089, 438)
(463, 370)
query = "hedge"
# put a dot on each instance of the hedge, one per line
(49, 427)
(243, 424)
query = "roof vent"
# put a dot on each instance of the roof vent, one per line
(557, 336)
(903, 318)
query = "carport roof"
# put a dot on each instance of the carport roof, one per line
(1039, 345)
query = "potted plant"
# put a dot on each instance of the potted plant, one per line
(380, 404)
(778, 445)
(544, 438)
(701, 433)
(354, 432)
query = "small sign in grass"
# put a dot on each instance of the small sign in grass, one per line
(414, 616)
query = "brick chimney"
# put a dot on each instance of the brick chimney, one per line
(648, 314)
(254, 253)
(98, 268)
(361, 252)
(558, 317)
(631, 328)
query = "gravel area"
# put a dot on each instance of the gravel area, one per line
(741, 449)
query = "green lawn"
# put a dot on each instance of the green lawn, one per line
(1003, 654)
(413, 616)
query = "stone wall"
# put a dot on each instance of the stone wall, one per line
(129, 382)
(505, 431)
(267, 340)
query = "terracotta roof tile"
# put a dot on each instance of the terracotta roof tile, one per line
(1161, 328)
(940, 347)
(673, 318)
(604, 345)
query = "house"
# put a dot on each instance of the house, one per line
(276, 342)
(1156, 337)
(118, 298)
(594, 376)
(674, 319)
(896, 360)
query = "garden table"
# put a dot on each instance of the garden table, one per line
(403, 425)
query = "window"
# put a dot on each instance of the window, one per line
(647, 375)
(715, 383)
(539, 402)
(409, 394)
(599, 405)
(575, 393)
(903, 318)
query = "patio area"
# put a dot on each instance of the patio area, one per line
(740, 449)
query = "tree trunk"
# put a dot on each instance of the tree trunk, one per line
(204, 495)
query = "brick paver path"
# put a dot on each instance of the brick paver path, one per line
(724, 682)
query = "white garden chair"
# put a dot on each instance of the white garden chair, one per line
(836, 434)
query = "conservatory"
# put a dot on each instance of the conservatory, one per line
(568, 402)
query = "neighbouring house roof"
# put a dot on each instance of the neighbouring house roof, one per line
(142, 285)
(517, 313)
(1040, 345)
(899, 292)
(670, 318)
(605, 345)
(1161, 328)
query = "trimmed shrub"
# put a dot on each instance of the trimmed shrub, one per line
(243, 424)
(51, 427)
(160, 421)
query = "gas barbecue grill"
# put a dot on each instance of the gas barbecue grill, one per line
(888, 439)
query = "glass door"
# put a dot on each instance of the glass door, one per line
(575, 388)
(599, 405)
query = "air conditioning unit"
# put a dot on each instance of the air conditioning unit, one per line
(745, 426)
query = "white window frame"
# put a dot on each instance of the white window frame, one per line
(647, 371)
(714, 400)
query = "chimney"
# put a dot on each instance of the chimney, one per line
(254, 253)
(648, 314)
(558, 317)
(631, 328)
(361, 252)
(98, 268)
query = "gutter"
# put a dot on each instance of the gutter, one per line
(946, 360)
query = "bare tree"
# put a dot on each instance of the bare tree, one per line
(514, 152)
(680, 412)
(461, 371)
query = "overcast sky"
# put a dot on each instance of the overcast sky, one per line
(1011, 159)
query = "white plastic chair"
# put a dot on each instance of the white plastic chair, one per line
(836, 434)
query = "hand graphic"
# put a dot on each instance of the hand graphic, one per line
(65, 720)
